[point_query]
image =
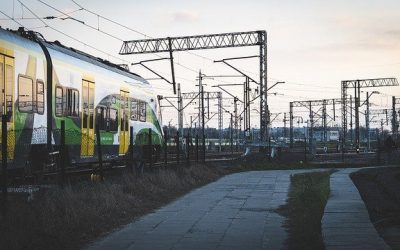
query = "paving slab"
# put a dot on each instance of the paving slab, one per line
(235, 212)
(346, 223)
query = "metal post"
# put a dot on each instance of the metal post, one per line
(291, 124)
(357, 114)
(203, 138)
(264, 112)
(394, 119)
(324, 121)
(165, 148)
(62, 153)
(305, 148)
(197, 147)
(99, 153)
(284, 125)
(172, 63)
(187, 149)
(180, 111)
(351, 119)
(220, 120)
(269, 148)
(231, 134)
(208, 105)
(4, 155)
(344, 114)
(334, 109)
(131, 148)
(177, 147)
(311, 131)
(150, 148)
(367, 123)
(236, 125)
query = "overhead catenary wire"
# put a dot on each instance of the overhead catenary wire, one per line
(69, 36)
(82, 22)
(128, 28)
(45, 17)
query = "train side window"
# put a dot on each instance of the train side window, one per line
(101, 118)
(9, 91)
(40, 97)
(25, 94)
(142, 111)
(134, 110)
(75, 98)
(112, 121)
(59, 101)
(71, 102)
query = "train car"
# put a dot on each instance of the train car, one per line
(44, 83)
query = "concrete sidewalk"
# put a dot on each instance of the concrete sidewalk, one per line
(346, 223)
(236, 212)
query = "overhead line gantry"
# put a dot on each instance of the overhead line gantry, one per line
(357, 85)
(211, 41)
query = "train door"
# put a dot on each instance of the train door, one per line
(124, 122)
(7, 100)
(87, 143)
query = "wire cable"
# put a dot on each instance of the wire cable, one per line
(69, 36)
(79, 21)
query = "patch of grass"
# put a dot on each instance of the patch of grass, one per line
(247, 165)
(304, 209)
(69, 218)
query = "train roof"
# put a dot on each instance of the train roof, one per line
(58, 46)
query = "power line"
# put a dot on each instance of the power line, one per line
(107, 19)
(133, 30)
(69, 36)
(79, 21)
(10, 18)
(46, 17)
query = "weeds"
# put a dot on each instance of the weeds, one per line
(304, 209)
(68, 218)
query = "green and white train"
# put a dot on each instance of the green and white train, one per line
(44, 83)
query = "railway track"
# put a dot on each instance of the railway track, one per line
(109, 167)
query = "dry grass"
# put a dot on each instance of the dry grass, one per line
(304, 209)
(68, 218)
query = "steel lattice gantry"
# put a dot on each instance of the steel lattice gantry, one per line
(209, 96)
(211, 41)
(312, 114)
(357, 85)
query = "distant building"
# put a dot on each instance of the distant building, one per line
(332, 134)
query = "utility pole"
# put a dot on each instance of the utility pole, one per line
(351, 120)
(284, 125)
(220, 120)
(291, 124)
(180, 112)
(311, 128)
(394, 119)
(367, 123)
(357, 114)
(203, 138)
(246, 99)
(324, 121)
(235, 120)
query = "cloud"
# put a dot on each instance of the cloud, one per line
(394, 33)
(185, 16)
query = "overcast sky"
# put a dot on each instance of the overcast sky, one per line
(312, 45)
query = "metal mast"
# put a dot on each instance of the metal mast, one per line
(211, 41)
